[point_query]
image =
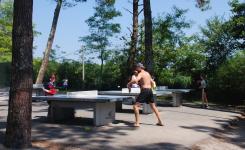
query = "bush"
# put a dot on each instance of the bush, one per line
(228, 83)
(168, 78)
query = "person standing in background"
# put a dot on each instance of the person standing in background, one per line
(203, 87)
(65, 84)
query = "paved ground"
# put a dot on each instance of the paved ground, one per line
(185, 128)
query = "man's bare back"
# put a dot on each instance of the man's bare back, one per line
(145, 80)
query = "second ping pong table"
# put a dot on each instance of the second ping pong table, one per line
(177, 95)
(146, 107)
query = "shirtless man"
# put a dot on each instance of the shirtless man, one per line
(146, 94)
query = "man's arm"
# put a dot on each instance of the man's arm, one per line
(153, 83)
(134, 80)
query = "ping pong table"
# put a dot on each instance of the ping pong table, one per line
(38, 89)
(146, 107)
(177, 95)
(62, 107)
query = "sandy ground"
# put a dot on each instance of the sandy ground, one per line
(185, 128)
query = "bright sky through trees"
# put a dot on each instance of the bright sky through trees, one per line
(72, 24)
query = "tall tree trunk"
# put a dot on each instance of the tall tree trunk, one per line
(148, 36)
(101, 68)
(18, 131)
(45, 61)
(134, 37)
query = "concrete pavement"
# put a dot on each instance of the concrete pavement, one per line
(184, 126)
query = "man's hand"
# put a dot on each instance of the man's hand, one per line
(129, 86)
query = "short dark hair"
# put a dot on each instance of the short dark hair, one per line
(140, 65)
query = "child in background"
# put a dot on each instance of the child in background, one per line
(51, 87)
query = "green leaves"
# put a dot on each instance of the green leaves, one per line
(168, 30)
(176, 56)
(168, 77)
(229, 81)
(236, 25)
(219, 42)
(69, 3)
(203, 4)
(6, 20)
(6, 24)
(101, 27)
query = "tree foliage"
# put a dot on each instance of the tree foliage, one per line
(217, 42)
(203, 4)
(221, 38)
(101, 28)
(6, 21)
(6, 25)
(220, 41)
(229, 81)
(236, 25)
(174, 52)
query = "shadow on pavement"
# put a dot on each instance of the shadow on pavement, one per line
(79, 130)
(2, 132)
(2, 124)
(129, 111)
(200, 128)
(80, 133)
(104, 146)
(158, 146)
(192, 113)
(92, 137)
(233, 133)
(213, 107)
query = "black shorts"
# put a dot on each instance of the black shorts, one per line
(145, 96)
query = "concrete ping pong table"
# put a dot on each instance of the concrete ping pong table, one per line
(177, 95)
(38, 89)
(146, 108)
(62, 107)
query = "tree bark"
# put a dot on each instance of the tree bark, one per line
(45, 61)
(134, 37)
(148, 36)
(18, 130)
(101, 68)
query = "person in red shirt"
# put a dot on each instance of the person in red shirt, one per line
(51, 87)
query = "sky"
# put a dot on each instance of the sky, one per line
(71, 23)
